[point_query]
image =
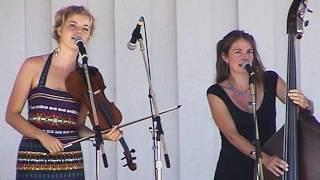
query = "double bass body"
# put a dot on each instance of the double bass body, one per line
(308, 147)
(298, 141)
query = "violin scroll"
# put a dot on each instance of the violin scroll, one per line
(127, 155)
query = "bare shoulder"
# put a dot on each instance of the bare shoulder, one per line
(35, 62)
(31, 68)
(215, 102)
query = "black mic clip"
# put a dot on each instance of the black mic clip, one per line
(82, 49)
(136, 35)
(247, 65)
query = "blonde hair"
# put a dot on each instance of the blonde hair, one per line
(63, 14)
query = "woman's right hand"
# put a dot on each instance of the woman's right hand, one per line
(52, 144)
(274, 164)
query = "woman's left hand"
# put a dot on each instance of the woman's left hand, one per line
(298, 98)
(113, 135)
(274, 164)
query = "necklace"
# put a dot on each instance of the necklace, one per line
(235, 91)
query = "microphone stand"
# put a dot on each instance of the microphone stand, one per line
(157, 131)
(98, 141)
(258, 158)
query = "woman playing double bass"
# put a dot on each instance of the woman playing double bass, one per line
(55, 117)
(229, 104)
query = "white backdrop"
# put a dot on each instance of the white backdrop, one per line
(181, 38)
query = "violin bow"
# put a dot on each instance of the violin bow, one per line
(120, 126)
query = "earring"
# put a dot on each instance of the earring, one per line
(56, 51)
(227, 67)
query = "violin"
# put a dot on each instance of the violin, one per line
(108, 114)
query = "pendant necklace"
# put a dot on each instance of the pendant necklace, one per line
(235, 91)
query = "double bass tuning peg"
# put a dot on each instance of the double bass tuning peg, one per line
(309, 10)
(306, 22)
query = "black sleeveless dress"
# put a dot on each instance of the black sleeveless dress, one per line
(232, 164)
(54, 112)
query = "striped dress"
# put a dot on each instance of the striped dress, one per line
(54, 112)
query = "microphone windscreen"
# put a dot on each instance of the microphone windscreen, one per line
(247, 63)
(131, 46)
(78, 40)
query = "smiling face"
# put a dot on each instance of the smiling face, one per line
(76, 25)
(70, 22)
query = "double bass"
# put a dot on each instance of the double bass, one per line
(298, 141)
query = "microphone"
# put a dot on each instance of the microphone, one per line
(82, 49)
(247, 65)
(135, 35)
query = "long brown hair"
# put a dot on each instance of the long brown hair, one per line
(223, 47)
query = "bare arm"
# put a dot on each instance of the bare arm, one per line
(225, 123)
(18, 97)
(114, 134)
(295, 95)
(84, 131)
(24, 82)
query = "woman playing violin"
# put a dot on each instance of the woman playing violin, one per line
(54, 116)
(229, 103)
